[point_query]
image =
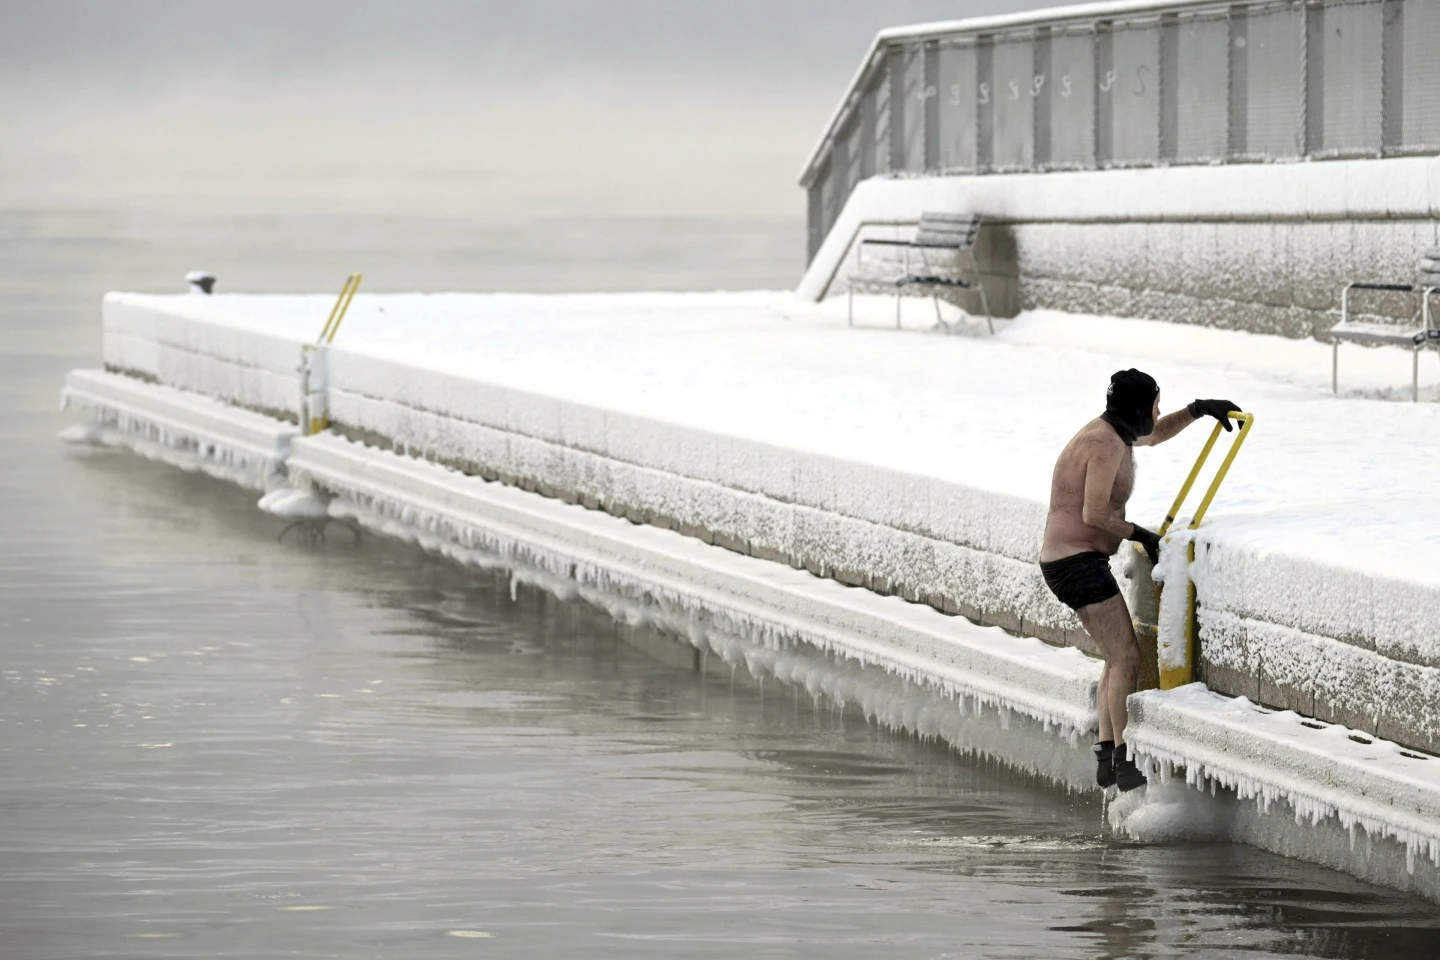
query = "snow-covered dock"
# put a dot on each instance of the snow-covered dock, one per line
(915, 465)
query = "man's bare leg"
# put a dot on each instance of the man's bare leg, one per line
(1102, 705)
(1109, 625)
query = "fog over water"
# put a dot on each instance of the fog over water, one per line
(501, 111)
(213, 744)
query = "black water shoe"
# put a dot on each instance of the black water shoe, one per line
(1104, 766)
(1127, 775)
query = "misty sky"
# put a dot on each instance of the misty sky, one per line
(513, 108)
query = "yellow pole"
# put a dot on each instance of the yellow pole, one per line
(337, 312)
(1190, 480)
(1173, 677)
(1244, 431)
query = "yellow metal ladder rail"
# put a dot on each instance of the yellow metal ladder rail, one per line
(314, 417)
(1179, 676)
(337, 312)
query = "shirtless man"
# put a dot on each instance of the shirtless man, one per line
(1092, 482)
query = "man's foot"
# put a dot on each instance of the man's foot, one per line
(1127, 775)
(1104, 767)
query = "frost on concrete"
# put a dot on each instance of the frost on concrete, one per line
(1173, 573)
(194, 346)
(700, 584)
(896, 699)
(1332, 781)
(981, 690)
(179, 428)
(918, 464)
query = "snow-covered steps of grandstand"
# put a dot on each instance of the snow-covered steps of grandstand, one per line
(1324, 773)
(699, 587)
(178, 427)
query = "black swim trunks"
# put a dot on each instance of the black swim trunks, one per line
(1080, 580)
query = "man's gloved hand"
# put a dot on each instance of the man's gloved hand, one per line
(1147, 539)
(1219, 409)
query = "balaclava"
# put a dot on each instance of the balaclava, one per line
(1129, 403)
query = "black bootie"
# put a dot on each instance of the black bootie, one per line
(1127, 775)
(1104, 765)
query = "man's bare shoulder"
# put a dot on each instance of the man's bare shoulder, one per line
(1098, 440)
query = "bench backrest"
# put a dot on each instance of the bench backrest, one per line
(957, 230)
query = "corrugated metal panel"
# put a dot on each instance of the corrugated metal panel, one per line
(1419, 72)
(912, 113)
(1350, 64)
(840, 166)
(1275, 93)
(1202, 97)
(1013, 76)
(880, 97)
(957, 98)
(831, 199)
(1071, 83)
(851, 137)
(815, 213)
(932, 106)
(1135, 95)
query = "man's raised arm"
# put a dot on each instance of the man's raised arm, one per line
(1172, 423)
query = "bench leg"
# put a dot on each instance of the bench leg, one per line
(1415, 377)
(980, 288)
(850, 303)
(939, 320)
(897, 311)
(1335, 366)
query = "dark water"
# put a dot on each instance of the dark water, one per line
(216, 745)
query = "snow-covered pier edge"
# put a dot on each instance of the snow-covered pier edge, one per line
(491, 474)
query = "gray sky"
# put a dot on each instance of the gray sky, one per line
(553, 107)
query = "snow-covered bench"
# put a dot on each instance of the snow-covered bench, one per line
(1372, 333)
(956, 232)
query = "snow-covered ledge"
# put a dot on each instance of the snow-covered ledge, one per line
(1184, 243)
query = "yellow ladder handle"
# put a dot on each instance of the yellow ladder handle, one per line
(1246, 420)
(337, 312)
(1190, 480)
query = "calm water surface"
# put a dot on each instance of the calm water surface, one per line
(216, 745)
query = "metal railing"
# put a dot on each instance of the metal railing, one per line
(1135, 84)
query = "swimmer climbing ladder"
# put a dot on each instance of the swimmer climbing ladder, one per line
(1183, 672)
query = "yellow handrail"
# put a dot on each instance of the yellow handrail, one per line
(337, 312)
(1245, 419)
(1179, 676)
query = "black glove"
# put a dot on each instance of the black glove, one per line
(1147, 539)
(1219, 409)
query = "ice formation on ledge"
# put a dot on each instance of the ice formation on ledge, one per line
(1320, 773)
(749, 435)
(291, 503)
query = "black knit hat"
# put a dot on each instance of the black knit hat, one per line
(1130, 403)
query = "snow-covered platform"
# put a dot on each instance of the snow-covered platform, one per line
(916, 465)
(911, 463)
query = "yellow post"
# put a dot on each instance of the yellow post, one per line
(1173, 677)
(314, 407)
(337, 312)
